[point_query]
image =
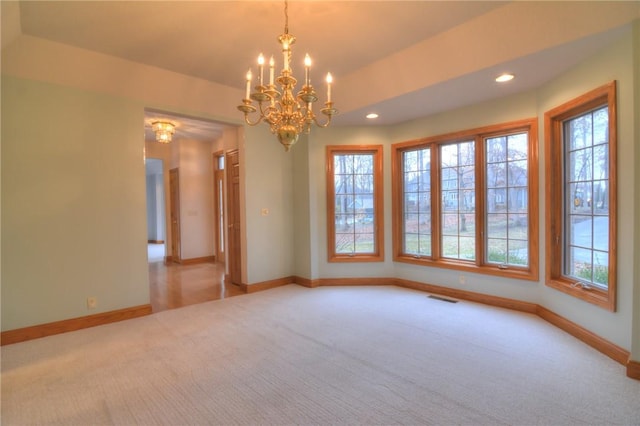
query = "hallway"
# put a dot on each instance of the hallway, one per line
(174, 285)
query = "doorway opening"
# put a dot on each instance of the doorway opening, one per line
(190, 265)
(156, 222)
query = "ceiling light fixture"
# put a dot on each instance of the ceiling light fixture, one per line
(372, 115)
(164, 130)
(286, 114)
(504, 77)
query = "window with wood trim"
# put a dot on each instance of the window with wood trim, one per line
(580, 152)
(468, 200)
(354, 203)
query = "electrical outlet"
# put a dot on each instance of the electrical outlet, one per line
(462, 279)
(92, 302)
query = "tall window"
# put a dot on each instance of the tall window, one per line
(416, 178)
(458, 181)
(507, 200)
(581, 236)
(354, 204)
(468, 200)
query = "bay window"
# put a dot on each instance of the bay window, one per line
(468, 200)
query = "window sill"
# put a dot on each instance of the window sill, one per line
(591, 295)
(530, 274)
(355, 258)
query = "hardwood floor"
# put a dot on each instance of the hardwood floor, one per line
(173, 285)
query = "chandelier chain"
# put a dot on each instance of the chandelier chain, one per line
(286, 17)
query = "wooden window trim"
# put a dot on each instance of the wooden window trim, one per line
(378, 203)
(554, 118)
(531, 273)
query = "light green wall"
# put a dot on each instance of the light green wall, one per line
(73, 203)
(305, 250)
(268, 184)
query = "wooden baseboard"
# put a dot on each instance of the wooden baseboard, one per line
(486, 299)
(354, 281)
(196, 260)
(609, 349)
(327, 282)
(633, 369)
(306, 282)
(155, 241)
(266, 285)
(58, 327)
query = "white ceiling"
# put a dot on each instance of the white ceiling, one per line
(219, 40)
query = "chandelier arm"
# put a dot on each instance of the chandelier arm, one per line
(272, 116)
(248, 121)
(322, 125)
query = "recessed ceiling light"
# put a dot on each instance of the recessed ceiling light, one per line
(372, 115)
(504, 77)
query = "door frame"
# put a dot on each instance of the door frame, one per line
(234, 218)
(174, 215)
(219, 205)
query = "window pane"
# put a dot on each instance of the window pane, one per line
(517, 173)
(497, 226)
(580, 231)
(450, 246)
(507, 191)
(343, 184)
(518, 147)
(518, 253)
(496, 150)
(601, 233)
(579, 131)
(365, 243)
(363, 164)
(497, 250)
(424, 242)
(600, 162)
(496, 175)
(601, 126)
(344, 243)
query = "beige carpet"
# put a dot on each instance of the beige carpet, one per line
(332, 355)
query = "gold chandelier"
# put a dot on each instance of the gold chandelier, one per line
(164, 130)
(286, 114)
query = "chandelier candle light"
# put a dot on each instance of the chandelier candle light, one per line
(287, 116)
